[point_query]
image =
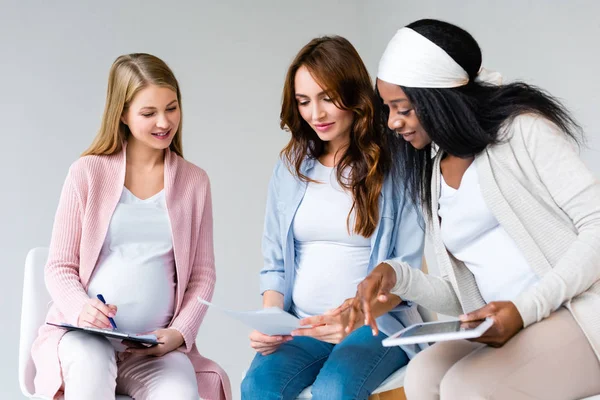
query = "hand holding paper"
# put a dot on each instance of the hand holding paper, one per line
(270, 321)
(265, 344)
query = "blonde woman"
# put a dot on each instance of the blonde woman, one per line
(134, 223)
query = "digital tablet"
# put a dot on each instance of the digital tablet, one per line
(427, 332)
(149, 340)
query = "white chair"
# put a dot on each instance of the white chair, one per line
(33, 315)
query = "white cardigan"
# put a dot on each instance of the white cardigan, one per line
(547, 200)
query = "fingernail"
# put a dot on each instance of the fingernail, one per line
(374, 333)
(111, 314)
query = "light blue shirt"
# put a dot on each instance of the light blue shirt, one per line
(399, 235)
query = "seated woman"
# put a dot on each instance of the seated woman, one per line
(335, 209)
(134, 223)
(514, 218)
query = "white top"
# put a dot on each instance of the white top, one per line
(136, 267)
(536, 184)
(473, 235)
(330, 262)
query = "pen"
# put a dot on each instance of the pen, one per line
(112, 321)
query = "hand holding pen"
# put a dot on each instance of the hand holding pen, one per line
(110, 315)
(97, 314)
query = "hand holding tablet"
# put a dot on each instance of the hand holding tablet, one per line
(504, 318)
(427, 332)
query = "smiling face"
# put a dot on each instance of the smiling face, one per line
(153, 117)
(403, 118)
(330, 123)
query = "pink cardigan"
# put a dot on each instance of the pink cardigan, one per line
(89, 197)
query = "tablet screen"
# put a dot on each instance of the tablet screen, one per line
(440, 327)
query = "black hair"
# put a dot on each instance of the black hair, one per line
(463, 121)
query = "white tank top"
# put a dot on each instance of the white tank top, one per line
(136, 267)
(330, 263)
(473, 235)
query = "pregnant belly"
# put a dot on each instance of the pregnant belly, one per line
(144, 294)
(326, 275)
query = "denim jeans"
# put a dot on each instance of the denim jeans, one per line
(351, 369)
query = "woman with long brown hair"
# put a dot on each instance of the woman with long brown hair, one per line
(134, 224)
(335, 209)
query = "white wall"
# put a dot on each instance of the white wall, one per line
(230, 58)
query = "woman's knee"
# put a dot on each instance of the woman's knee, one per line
(88, 366)
(259, 386)
(459, 383)
(337, 384)
(339, 379)
(421, 376)
(356, 367)
(271, 378)
(87, 352)
(426, 371)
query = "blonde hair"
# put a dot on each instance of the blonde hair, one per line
(128, 75)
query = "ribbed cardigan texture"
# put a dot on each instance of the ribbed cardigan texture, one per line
(548, 201)
(89, 197)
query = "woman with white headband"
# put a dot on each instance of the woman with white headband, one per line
(514, 218)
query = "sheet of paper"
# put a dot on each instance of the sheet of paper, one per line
(270, 321)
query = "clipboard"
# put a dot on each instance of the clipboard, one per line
(113, 334)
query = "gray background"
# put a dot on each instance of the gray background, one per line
(230, 59)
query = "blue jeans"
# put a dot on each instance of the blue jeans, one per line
(351, 369)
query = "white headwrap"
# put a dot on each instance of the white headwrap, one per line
(412, 60)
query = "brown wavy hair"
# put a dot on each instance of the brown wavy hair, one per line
(336, 66)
